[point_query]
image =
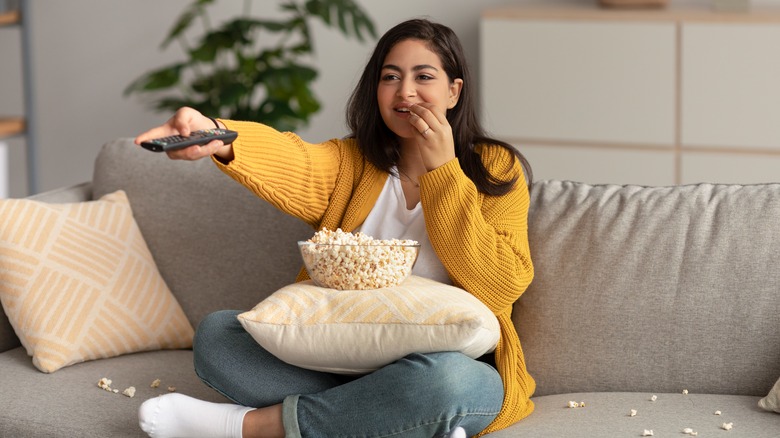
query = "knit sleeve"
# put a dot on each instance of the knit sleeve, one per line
(295, 176)
(482, 240)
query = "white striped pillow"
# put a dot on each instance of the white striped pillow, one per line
(358, 331)
(78, 282)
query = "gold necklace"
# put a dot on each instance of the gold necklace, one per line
(404, 175)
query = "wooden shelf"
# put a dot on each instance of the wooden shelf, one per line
(10, 126)
(10, 17)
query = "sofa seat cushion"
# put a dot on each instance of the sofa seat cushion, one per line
(606, 414)
(69, 403)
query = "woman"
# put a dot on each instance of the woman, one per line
(417, 166)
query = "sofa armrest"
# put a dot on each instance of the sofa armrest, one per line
(77, 193)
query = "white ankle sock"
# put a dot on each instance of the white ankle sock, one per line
(458, 432)
(176, 415)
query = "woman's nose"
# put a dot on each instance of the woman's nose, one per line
(406, 88)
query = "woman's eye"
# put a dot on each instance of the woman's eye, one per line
(424, 77)
(389, 77)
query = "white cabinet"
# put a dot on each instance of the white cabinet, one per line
(580, 81)
(731, 85)
(650, 97)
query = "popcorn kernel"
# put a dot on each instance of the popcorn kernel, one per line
(346, 261)
(104, 383)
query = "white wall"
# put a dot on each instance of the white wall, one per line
(85, 52)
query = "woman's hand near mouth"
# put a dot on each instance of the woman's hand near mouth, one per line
(434, 134)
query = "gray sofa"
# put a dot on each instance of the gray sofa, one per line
(639, 291)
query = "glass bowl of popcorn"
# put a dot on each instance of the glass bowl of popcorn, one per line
(346, 261)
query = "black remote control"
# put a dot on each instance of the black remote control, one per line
(201, 137)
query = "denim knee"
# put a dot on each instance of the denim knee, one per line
(451, 377)
(420, 395)
(210, 335)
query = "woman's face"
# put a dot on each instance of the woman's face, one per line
(411, 74)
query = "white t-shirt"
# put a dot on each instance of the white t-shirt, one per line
(390, 219)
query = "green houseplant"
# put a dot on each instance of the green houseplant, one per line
(247, 68)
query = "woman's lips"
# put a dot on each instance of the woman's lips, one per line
(403, 113)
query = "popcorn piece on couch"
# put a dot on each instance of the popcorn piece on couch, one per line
(685, 392)
(647, 432)
(654, 398)
(130, 391)
(727, 426)
(632, 413)
(155, 383)
(104, 383)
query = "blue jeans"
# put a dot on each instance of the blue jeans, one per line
(421, 395)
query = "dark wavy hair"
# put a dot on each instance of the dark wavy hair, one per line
(380, 145)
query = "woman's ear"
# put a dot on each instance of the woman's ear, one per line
(455, 88)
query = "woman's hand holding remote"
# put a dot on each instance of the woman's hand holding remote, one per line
(185, 121)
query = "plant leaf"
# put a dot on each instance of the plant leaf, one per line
(272, 26)
(159, 79)
(342, 14)
(185, 20)
(319, 9)
(232, 93)
(226, 74)
(345, 10)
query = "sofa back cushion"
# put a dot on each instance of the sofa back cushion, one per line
(653, 289)
(216, 244)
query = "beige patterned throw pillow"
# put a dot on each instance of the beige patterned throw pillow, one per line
(78, 282)
(358, 331)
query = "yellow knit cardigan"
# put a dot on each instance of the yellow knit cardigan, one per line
(481, 240)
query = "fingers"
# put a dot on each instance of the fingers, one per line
(427, 119)
(417, 119)
(183, 122)
(160, 131)
(436, 143)
(196, 152)
(185, 119)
